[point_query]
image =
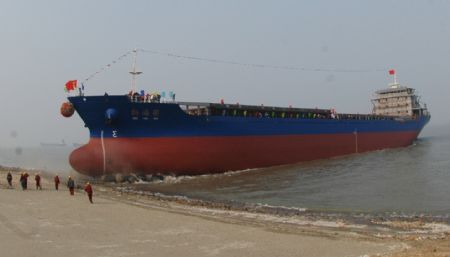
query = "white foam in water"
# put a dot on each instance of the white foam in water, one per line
(173, 179)
(437, 227)
(283, 207)
(295, 220)
(169, 179)
(141, 182)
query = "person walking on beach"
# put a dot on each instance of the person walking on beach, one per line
(9, 179)
(25, 176)
(37, 178)
(71, 185)
(57, 181)
(21, 181)
(24, 180)
(89, 191)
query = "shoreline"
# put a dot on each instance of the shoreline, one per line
(396, 238)
(356, 217)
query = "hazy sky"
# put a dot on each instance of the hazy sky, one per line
(45, 43)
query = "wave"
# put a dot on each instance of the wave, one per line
(171, 179)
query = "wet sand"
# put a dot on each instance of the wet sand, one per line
(50, 223)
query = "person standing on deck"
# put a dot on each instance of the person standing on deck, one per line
(57, 181)
(38, 182)
(71, 185)
(9, 179)
(89, 191)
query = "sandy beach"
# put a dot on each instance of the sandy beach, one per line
(53, 223)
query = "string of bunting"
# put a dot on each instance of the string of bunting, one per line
(219, 61)
(254, 65)
(105, 67)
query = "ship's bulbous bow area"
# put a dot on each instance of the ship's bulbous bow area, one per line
(88, 159)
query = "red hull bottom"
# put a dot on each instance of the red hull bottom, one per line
(202, 155)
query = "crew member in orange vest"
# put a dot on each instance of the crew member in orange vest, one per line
(89, 191)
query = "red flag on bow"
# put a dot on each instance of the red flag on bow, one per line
(71, 85)
(391, 72)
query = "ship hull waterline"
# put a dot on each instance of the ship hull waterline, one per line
(218, 154)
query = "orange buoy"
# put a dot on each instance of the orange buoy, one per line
(67, 109)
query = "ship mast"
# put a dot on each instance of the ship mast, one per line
(394, 75)
(133, 72)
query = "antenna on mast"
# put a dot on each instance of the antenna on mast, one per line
(133, 72)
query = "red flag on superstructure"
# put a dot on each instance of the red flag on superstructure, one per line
(71, 85)
(391, 72)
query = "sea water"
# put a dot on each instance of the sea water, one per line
(51, 158)
(414, 180)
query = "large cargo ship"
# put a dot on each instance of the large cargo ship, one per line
(141, 134)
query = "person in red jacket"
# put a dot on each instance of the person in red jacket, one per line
(57, 181)
(89, 191)
(38, 182)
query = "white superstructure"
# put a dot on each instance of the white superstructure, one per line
(398, 100)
